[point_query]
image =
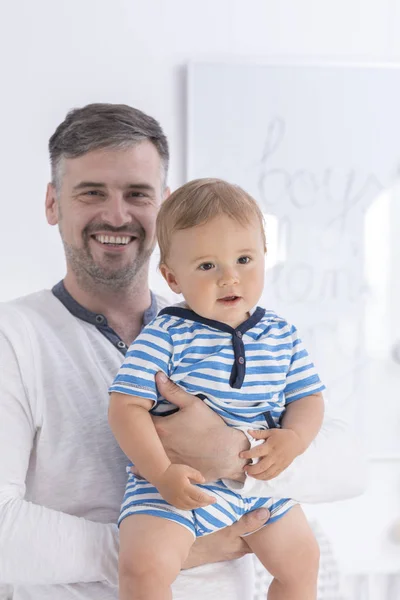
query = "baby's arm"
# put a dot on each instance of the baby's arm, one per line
(134, 430)
(304, 417)
(300, 424)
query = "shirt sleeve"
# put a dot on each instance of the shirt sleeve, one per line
(301, 379)
(332, 468)
(40, 546)
(151, 352)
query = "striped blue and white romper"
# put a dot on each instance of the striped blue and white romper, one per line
(247, 375)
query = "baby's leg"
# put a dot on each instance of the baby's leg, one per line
(152, 552)
(290, 552)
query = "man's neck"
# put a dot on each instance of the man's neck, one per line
(123, 308)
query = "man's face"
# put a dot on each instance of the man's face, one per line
(106, 210)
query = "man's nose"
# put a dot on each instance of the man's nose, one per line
(115, 211)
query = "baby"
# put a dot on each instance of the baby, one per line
(247, 364)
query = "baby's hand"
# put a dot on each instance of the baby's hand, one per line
(176, 488)
(280, 448)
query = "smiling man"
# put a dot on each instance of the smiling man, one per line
(62, 474)
(105, 204)
(96, 250)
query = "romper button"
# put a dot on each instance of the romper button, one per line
(99, 318)
(121, 344)
(241, 360)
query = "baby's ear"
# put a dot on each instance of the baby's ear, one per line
(170, 278)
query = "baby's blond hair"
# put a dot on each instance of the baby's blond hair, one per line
(200, 201)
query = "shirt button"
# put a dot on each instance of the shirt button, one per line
(121, 344)
(99, 319)
(241, 360)
(239, 334)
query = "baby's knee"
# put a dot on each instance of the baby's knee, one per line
(149, 567)
(311, 555)
(306, 561)
(299, 568)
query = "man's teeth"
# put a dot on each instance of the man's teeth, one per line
(112, 239)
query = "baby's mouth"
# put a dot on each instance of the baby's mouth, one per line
(228, 299)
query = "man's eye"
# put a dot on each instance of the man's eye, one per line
(244, 260)
(138, 196)
(206, 266)
(92, 193)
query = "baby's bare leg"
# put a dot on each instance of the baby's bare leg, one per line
(290, 552)
(152, 552)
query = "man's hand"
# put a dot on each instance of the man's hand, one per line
(226, 544)
(197, 436)
(176, 487)
(280, 448)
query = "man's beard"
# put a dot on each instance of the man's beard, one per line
(92, 275)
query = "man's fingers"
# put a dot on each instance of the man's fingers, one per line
(251, 521)
(172, 392)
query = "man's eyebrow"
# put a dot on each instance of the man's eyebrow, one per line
(97, 184)
(140, 186)
(85, 184)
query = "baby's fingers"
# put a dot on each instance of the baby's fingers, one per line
(270, 473)
(194, 475)
(256, 452)
(199, 497)
(261, 434)
(263, 465)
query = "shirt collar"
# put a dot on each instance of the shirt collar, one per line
(98, 319)
(186, 313)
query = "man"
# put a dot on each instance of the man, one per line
(62, 475)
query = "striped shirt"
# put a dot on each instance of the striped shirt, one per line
(247, 374)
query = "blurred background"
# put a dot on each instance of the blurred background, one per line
(299, 103)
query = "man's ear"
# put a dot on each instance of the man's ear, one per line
(170, 278)
(167, 192)
(51, 205)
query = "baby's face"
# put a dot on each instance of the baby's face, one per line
(219, 268)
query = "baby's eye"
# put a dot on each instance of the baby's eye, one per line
(244, 260)
(206, 266)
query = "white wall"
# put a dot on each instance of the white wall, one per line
(60, 54)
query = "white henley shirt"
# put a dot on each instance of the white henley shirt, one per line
(62, 474)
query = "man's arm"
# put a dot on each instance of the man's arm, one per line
(198, 436)
(332, 468)
(39, 545)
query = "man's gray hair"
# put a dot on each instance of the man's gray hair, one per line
(97, 126)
